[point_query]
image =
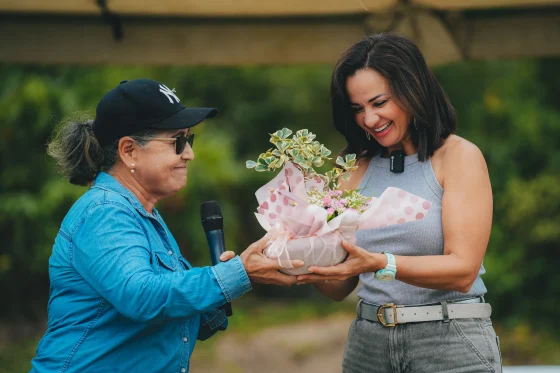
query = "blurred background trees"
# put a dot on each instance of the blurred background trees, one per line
(510, 109)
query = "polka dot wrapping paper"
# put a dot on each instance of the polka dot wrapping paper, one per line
(299, 230)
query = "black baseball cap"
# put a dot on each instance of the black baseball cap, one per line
(140, 104)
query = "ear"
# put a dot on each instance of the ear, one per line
(128, 151)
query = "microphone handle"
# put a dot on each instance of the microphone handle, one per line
(217, 247)
(216, 244)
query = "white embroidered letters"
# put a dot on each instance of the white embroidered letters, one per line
(169, 93)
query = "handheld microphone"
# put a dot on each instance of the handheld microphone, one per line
(213, 224)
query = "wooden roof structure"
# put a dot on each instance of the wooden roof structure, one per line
(256, 32)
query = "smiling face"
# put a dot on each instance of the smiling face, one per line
(377, 112)
(159, 169)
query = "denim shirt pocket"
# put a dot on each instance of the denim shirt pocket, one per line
(185, 263)
(165, 262)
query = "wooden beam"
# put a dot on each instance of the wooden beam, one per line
(483, 4)
(431, 36)
(201, 8)
(514, 36)
(228, 42)
(176, 42)
(248, 8)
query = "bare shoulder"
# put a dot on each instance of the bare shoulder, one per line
(356, 176)
(461, 159)
(460, 150)
(458, 156)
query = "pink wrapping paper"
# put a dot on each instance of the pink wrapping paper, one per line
(299, 230)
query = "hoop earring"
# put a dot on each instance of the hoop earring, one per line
(414, 123)
(132, 169)
(367, 135)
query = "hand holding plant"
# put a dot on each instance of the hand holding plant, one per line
(306, 215)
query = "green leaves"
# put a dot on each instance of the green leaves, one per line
(304, 137)
(305, 153)
(324, 151)
(347, 162)
(340, 161)
(282, 146)
(317, 162)
(251, 164)
(284, 133)
(350, 160)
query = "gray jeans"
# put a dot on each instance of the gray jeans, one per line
(457, 346)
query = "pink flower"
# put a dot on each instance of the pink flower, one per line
(326, 201)
(330, 211)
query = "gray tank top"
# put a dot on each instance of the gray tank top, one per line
(421, 237)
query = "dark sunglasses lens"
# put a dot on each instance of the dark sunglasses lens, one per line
(180, 144)
(190, 139)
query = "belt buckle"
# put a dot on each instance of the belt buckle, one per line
(381, 316)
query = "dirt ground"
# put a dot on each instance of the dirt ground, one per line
(308, 347)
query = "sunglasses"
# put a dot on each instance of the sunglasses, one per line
(180, 142)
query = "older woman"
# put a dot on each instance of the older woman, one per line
(421, 303)
(123, 299)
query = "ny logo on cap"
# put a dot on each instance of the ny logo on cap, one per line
(169, 93)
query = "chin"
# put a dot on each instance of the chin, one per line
(178, 185)
(387, 141)
(181, 185)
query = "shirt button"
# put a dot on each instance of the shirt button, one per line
(185, 339)
(183, 370)
(170, 252)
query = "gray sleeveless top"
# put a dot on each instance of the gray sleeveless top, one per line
(421, 237)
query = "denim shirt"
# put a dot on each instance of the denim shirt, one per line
(122, 298)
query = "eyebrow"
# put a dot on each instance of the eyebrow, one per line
(371, 99)
(181, 132)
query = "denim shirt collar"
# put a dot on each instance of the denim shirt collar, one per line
(108, 182)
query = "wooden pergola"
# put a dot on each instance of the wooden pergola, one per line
(257, 32)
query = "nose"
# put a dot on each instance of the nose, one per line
(370, 118)
(188, 153)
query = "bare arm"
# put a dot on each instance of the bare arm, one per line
(337, 290)
(466, 220)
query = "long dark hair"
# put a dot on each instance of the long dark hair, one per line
(412, 85)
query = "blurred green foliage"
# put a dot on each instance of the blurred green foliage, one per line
(510, 109)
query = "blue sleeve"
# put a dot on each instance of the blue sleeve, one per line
(212, 322)
(111, 252)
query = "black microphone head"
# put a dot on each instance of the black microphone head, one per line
(211, 216)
